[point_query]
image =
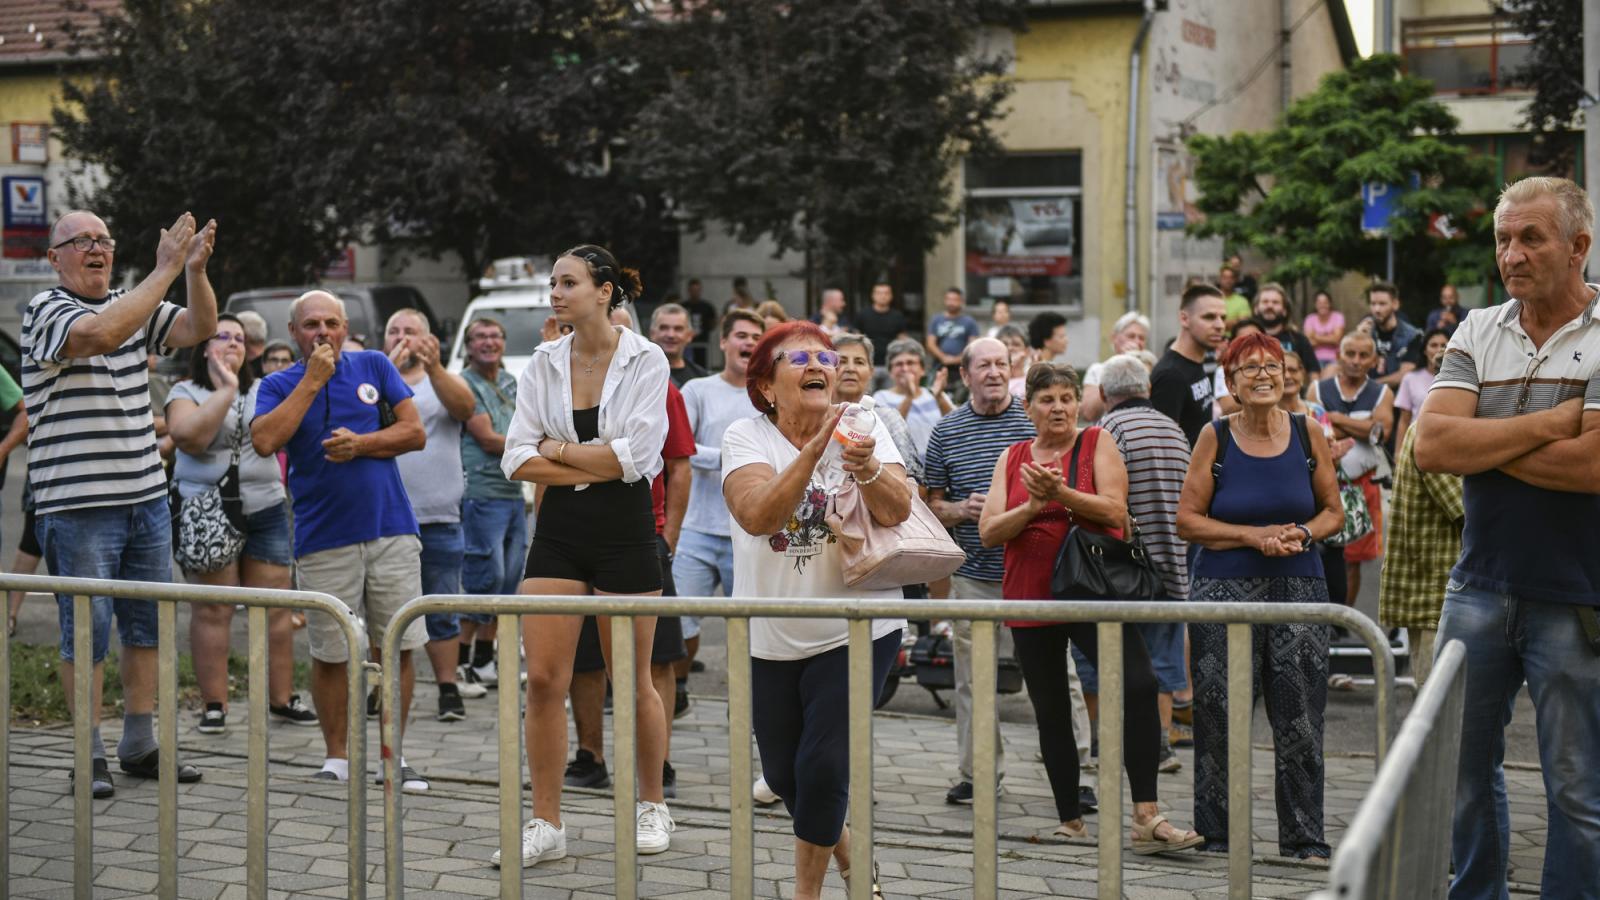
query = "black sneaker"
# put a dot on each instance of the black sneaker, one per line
(587, 772)
(1087, 801)
(960, 795)
(214, 720)
(374, 704)
(697, 666)
(669, 781)
(295, 712)
(680, 704)
(451, 709)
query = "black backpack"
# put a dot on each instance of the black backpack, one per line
(1225, 440)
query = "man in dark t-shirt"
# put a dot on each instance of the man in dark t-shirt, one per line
(1180, 387)
(880, 322)
(703, 321)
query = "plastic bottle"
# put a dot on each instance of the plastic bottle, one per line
(855, 426)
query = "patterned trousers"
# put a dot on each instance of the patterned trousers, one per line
(1290, 665)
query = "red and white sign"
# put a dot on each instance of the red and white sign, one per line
(1019, 237)
(1440, 226)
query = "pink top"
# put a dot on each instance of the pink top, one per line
(1413, 388)
(1316, 326)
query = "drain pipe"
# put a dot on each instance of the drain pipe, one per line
(1131, 200)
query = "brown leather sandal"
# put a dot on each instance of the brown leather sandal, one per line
(1146, 842)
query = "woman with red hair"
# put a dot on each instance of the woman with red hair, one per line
(1259, 492)
(782, 547)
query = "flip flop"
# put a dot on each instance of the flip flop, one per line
(148, 766)
(1146, 842)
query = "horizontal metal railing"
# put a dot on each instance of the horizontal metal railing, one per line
(1398, 844)
(258, 601)
(1111, 615)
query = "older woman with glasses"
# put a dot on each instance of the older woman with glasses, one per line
(1256, 511)
(782, 547)
(855, 374)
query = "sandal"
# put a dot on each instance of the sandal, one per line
(1080, 833)
(1146, 842)
(877, 891)
(148, 766)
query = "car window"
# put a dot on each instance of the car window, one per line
(390, 300)
(274, 309)
(522, 324)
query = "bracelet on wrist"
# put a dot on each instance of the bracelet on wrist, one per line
(875, 476)
(1306, 531)
(561, 453)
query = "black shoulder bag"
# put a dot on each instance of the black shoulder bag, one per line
(1094, 566)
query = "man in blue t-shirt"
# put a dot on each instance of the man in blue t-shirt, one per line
(344, 417)
(950, 332)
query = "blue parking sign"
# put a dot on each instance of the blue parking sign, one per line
(1379, 202)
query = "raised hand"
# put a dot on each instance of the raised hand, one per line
(321, 363)
(223, 376)
(401, 353)
(940, 378)
(200, 248)
(425, 350)
(173, 247)
(819, 441)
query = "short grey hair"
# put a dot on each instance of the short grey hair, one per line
(1123, 377)
(667, 309)
(1574, 211)
(255, 327)
(850, 337)
(903, 346)
(300, 301)
(1143, 356)
(1128, 319)
(1359, 336)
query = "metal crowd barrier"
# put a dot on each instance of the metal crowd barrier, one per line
(167, 597)
(1398, 844)
(1239, 617)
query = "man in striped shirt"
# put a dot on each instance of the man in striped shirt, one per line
(97, 480)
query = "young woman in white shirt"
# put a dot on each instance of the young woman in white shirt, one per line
(589, 427)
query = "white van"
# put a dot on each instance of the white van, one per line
(517, 295)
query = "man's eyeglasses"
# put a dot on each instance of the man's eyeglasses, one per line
(84, 243)
(1254, 369)
(827, 359)
(228, 338)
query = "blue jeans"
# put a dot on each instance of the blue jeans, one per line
(128, 543)
(702, 562)
(441, 574)
(496, 535)
(1507, 639)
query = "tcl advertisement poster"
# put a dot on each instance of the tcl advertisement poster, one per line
(1018, 237)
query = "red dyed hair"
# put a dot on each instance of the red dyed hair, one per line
(763, 359)
(1240, 347)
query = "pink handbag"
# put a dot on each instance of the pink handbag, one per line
(880, 557)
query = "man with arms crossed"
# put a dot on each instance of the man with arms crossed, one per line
(1516, 410)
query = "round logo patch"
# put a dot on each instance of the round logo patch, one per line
(368, 394)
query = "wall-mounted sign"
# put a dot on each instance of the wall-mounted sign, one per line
(24, 203)
(30, 142)
(1019, 236)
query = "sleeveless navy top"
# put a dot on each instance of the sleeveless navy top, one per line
(1261, 490)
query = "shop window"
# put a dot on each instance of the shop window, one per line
(1023, 230)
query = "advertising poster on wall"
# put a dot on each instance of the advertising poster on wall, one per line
(1017, 237)
(26, 224)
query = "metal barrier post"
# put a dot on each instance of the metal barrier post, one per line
(625, 746)
(167, 758)
(741, 775)
(861, 703)
(507, 637)
(1241, 704)
(5, 764)
(985, 721)
(1113, 681)
(84, 715)
(389, 739)
(256, 763)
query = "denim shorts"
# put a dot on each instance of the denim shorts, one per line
(131, 542)
(442, 551)
(266, 535)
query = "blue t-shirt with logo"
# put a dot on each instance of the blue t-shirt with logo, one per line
(953, 333)
(337, 504)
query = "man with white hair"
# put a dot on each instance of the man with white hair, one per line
(1129, 333)
(344, 417)
(1516, 410)
(1156, 454)
(255, 338)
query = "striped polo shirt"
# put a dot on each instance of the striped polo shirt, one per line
(91, 435)
(1520, 539)
(962, 451)
(1156, 453)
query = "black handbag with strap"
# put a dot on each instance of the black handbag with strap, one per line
(1095, 566)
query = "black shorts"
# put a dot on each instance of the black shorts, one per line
(668, 647)
(604, 536)
(29, 543)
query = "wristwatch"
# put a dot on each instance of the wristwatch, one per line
(1307, 532)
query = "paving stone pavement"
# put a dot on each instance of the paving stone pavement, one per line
(924, 846)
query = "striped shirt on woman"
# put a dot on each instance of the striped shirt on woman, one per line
(1156, 453)
(91, 434)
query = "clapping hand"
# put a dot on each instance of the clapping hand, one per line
(200, 248)
(940, 378)
(223, 376)
(1042, 483)
(819, 441)
(173, 247)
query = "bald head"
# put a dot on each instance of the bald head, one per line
(75, 222)
(86, 273)
(316, 318)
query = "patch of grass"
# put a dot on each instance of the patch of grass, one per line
(39, 693)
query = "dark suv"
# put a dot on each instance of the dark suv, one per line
(368, 306)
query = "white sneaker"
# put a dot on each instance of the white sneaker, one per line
(540, 841)
(763, 794)
(469, 689)
(487, 674)
(654, 828)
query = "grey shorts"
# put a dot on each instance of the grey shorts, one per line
(374, 579)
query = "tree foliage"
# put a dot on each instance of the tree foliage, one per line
(832, 127)
(1554, 70)
(1294, 193)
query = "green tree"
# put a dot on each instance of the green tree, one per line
(1294, 193)
(831, 127)
(1554, 70)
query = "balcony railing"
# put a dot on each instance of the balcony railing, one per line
(1465, 55)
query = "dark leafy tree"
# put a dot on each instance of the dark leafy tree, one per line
(1554, 70)
(831, 127)
(1294, 193)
